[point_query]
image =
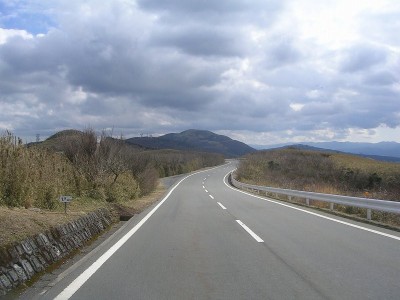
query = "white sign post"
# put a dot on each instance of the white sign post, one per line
(65, 200)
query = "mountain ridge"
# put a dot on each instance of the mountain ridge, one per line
(313, 148)
(195, 140)
(386, 149)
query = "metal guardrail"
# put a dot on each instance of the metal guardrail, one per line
(369, 204)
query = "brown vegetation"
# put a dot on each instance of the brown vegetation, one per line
(87, 166)
(322, 172)
(325, 172)
(32, 178)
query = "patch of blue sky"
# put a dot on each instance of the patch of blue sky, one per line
(19, 17)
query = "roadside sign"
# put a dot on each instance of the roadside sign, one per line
(65, 199)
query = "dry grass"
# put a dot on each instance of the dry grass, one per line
(322, 172)
(328, 173)
(19, 223)
(367, 164)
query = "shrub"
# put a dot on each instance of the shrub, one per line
(318, 172)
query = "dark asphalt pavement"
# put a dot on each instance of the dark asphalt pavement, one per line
(193, 247)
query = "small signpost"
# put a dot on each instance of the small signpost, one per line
(65, 200)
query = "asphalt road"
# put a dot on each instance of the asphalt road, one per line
(209, 241)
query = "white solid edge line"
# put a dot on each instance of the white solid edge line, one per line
(315, 214)
(249, 231)
(211, 197)
(82, 278)
(220, 204)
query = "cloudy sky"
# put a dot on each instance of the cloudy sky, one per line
(261, 71)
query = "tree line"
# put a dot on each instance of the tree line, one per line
(87, 164)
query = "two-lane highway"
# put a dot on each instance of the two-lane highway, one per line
(206, 240)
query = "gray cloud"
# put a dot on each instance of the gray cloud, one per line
(162, 66)
(215, 12)
(203, 41)
(282, 52)
(381, 78)
(362, 57)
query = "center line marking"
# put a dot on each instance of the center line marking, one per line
(211, 197)
(203, 187)
(249, 231)
(77, 283)
(220, 204)
(206, 191)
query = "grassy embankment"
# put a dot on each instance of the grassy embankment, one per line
(98, 171)
(325, 172)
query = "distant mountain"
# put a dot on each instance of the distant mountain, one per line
(382, 149)
(390, 149)
(55, 142)
(195, 140)
(313, 148)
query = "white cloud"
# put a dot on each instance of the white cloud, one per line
(270, 71)
(296, 106)
(6, 34)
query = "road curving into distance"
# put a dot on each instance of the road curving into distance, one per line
(206, 240)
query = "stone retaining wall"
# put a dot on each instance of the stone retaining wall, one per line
(21, 261)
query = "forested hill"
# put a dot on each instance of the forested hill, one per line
(195, 140)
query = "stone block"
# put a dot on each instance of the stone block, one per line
(81, 223)
(62, 248)
(65, 229)
(22, 277)
(33, 244)
(74, 241)
(37, 266)
(39, 241)
(74, 227)
(88, 233)
(55, 253)
(60, 231)
(19, 249)
(78, 239)
(66, 243)
(14, 254)
(100, 225)
(12, 276)
(42, 260)
(70, 228)
(50, 237)
(26, 246)
(29, 271)
(83, 236)
(44, 239)
(47, 257)
(5, 282)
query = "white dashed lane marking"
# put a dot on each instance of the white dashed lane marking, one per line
(249, 231)
(220, 204)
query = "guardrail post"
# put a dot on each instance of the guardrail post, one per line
(379, 205)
